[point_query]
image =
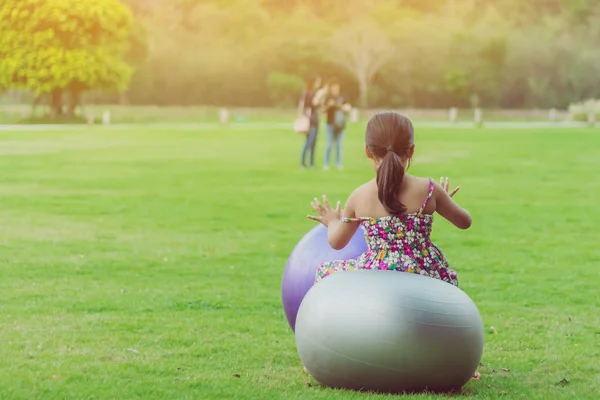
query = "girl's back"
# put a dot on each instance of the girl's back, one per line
(413, 192)
(395, 209)
(397, 242)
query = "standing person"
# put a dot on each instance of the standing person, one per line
(311, 110)
(336, 108)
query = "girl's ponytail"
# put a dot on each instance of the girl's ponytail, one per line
(390, 140)
(389, 180)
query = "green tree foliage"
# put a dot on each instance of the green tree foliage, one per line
(53, 47)
(505, 53)
(400, 53)
(284, 88)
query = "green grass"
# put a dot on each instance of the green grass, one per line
(146, 114)
(147, 264)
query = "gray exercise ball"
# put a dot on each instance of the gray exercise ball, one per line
(389, 331)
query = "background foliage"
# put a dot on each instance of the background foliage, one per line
(504, 53)
(60, 46)
(393, 53)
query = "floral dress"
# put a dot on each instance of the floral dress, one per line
(398, 243)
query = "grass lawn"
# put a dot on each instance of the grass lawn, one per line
(147, 264)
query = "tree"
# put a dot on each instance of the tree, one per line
(363, 50)
(62, 46)
(285, 88)
(508, 53)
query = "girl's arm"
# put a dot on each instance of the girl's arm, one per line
(447, 208)
(318, 98)
(345, 106)
(338, 233)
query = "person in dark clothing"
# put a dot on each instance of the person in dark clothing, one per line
(336, 109)
(311, 110)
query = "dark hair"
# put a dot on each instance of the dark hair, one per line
(389, 138)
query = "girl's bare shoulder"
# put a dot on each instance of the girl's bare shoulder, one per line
(366, 187)
(364, 190)
(420, 179)
(418, 182)
(417, 186)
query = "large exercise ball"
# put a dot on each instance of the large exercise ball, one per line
(389, 331)
(301, 267)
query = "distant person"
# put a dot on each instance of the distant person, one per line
(394, 209)
(311, 110)
(320, 96)
(336, 109)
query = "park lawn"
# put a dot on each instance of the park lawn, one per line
(146, 263)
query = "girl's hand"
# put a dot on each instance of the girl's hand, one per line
(445, 184)
(326, 213)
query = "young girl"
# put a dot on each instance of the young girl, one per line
(395, 209)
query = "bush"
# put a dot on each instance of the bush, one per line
(285, 89)
(581, 111)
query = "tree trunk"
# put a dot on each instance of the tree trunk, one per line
(56, 106)
(363, 89)
(74, 100)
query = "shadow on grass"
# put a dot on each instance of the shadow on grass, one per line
(471, 390)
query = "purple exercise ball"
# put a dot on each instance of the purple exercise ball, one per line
(301, 268)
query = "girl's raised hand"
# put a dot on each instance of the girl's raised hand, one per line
(326, 213)
(445, 184)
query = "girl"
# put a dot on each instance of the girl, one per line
(395, 209)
